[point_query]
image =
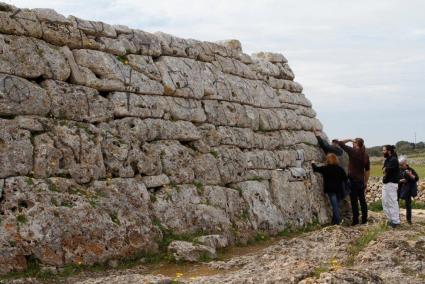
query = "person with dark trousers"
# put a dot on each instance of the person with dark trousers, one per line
(407, 185)
(358, 174)
(333, 178)
(345, 204)
(391, 171)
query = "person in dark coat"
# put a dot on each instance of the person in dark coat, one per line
(333, 147)
(408, 187)
(334, 178)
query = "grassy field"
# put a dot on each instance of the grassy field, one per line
(376, 170)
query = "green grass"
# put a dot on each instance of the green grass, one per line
(377, 205)
(369, 235)
(376, 170)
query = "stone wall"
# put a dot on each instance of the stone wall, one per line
(110, 136)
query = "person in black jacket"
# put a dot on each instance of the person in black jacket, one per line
(391, 179)
(407, 186)
(333, 147)
(334, 178)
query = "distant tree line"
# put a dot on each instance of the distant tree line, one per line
(403, 147)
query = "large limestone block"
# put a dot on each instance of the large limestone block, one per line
(142, 106)
(147, 106)
(181, 77)
(261, 159)
(93, 28)
(265, 68)
(263, 213)
(232, 88)
(185, 109)
(77, 102)
(60, 222)
(19, 21)
(186, 251)
(16, 150)
(214, 241)
(137, 130)
(293, 98)
(32, 58)
(240, 137)
(231, 114)
(206, 170)
(118, 155)
(21, 97)
(285, 71)
(177, 161)
(183, 209)
(69, 148)
(145, 65)
(232, 163)
(270, 56)
(298, 201)
(103, 71)
(144, 42)
(155, 181)
(235, 67)
(172, 45)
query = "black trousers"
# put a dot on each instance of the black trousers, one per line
(357, 195)
(409, 209)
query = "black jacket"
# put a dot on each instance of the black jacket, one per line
(333, 176)
(391, 170)
(408, 188)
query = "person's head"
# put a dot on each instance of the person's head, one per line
(331, 159)
(358, 143)
(388, 150)
(402, 161)
(335, 142)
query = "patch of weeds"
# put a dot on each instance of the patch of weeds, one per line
(291, 232)
(12, 243)
(54, 202)
(204, 257)
(199, 187)
(260, 237)
(245, 214)
(29, 181)
(174, 185)
(52, 186)
(369, 235)
(114, 218)
(122, 58)
(152, 197)
(320, 269)
(214, 153)
(67, 204)
(257, 178)
(375, 206)
(21, 219)
(93, 203)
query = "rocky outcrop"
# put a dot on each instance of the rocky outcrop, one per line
(111, 135)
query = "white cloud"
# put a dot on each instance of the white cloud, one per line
(354, 56)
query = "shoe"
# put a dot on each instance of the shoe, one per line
(393, 225)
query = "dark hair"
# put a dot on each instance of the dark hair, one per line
(360, 142)
(391, 149)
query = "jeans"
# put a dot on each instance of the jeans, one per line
(334, 200)
(357, 194)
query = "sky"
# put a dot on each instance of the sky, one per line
(361, 63)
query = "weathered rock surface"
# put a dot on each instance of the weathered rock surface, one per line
(190, 252)
(111, 135)
(372, 253)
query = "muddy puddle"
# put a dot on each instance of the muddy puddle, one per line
(193, 270)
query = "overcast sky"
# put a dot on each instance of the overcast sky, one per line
(362, 63)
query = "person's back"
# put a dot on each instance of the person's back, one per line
(333, 178)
